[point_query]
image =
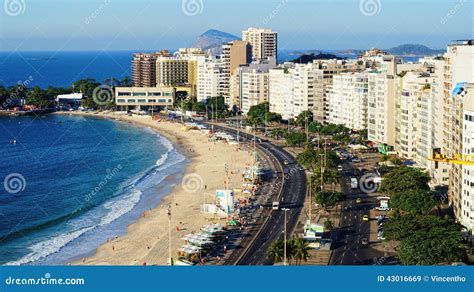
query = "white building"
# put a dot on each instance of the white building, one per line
(209, 78)
(254, 83)
(381, 103)
(347, 98)
(264, 42)
(281, 92)
(466, 209)
(459, 69)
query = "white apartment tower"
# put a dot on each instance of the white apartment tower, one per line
(458, 71)
(253, 83)
(381, 103)
(281, 92)
(347, 99)
(264, 42)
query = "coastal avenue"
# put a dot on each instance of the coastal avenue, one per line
(293, 193)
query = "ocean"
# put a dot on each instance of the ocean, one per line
(68, 183)
(61, 69)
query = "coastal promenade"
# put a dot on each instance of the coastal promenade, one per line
(146, 241)
(291, 193)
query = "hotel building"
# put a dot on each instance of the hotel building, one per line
(264, 42)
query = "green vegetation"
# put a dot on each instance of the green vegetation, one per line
(260, 115)
(295, 139)
(296, 249)
(214, 107)
(328, 226)
(413, 201)
(329, 199)
(403, 179)
(301, 119)
(424, 239)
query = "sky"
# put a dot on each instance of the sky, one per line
(75, 25)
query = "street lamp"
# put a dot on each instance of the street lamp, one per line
(284, 242)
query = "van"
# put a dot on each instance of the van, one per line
(276, 206)
(354, 183)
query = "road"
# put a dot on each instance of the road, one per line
(292, 196)
(347, 246)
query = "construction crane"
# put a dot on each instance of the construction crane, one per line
(461, 159)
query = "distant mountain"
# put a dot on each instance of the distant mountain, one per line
(413, 50)
(212, 40)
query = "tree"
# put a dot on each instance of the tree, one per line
(301, 119)
(295, 139)
(329, 199)
(301, 252)
(309, 158)
(403, 179)
(260, 114)
(437, 245)
(400, 226)
(278, 132)
(276, 251)
(328, 225)
(314, 127)
(413, 201)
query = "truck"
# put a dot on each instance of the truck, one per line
(354, 183)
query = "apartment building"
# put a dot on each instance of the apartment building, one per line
(264, 42)
(254, 83)
(458, 71)
(465, 211)
(234, 54)
(209, 78)
(144, 68)
(347, 98)
(282, 92)
(381, 102)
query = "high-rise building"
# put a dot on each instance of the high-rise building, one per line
(348, 100)
(381, 102)
(254, 83)
(264, 42)
(144, 68)
(458, 70)
(209, 78)
(234, 54)
(282, 92)
(465, 209)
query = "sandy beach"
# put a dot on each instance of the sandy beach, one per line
(146, 241)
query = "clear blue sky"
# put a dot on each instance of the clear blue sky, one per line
(301, 24)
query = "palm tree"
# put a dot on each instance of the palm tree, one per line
(331, 177)
(275, 251)
(302, 248)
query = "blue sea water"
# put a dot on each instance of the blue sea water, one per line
(69, 183)
(61, 69)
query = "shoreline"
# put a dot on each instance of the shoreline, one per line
(145, 241)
